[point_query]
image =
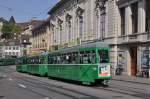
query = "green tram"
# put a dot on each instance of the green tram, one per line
(21, 64)
(38, 65)
(86, 63)
(7, 61)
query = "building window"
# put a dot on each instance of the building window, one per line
(102, 26)
(101, 17)
(147, 15)
(17, 53)
(6, 48)
(13, 53)
(13, 47)
(122, 15)
(97, 23)
(17, 48)
(68, 24)
(134, 9)
(9, 53)
(60, 29)
(81, 26)
(80, 22)
(9, 47)
(53, 35)
(69, 30)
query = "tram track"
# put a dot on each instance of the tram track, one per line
(131, 91)
(54, 88)
(117, 88)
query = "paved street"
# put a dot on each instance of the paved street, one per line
(15, 85)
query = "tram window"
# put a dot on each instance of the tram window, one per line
(69, 59)
(74, 58)
(50, 60)
(103, 56)
(93, 56)
(87, 57)
(83, 58)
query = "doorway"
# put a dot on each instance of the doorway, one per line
(133, 60)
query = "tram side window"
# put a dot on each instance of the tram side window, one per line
(50, 60)
(37, 60)
(24, 61)
(103, 56)
(58, 59)
(71, 58)
(87, 57)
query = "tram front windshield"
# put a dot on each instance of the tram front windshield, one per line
(103, 56)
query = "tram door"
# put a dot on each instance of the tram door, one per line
(133, 57)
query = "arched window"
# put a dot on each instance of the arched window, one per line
(80, 22)
(68, 24)
(81, 26)
(101, 17)
(60, 29)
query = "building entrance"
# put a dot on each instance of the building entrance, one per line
(133, 60)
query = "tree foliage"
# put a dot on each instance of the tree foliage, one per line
(9, 29)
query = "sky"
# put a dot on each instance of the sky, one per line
(25, 10)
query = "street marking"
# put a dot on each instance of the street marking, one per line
(4, 76)
(21, 85)
(47, 98)
(10, 79)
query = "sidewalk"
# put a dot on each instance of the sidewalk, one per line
(132, 79)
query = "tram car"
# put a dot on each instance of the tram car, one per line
(21, 64)
(86, 63)
(36, 65)
(7, 61)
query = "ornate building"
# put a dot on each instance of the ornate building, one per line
(74, 22)
(133, 35)
(78, 21)
(40, 38)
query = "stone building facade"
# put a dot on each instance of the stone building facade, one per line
(40, 38)
(133, 35)
(123, 24)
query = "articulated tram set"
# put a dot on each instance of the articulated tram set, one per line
(86, 63)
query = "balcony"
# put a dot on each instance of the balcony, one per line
(134, 38)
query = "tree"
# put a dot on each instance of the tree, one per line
(9, 29)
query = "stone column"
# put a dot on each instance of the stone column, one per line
(128, 20)
(141, 16)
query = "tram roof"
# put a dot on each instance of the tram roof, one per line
(76, 48)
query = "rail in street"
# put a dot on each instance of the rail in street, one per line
(14, 85)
